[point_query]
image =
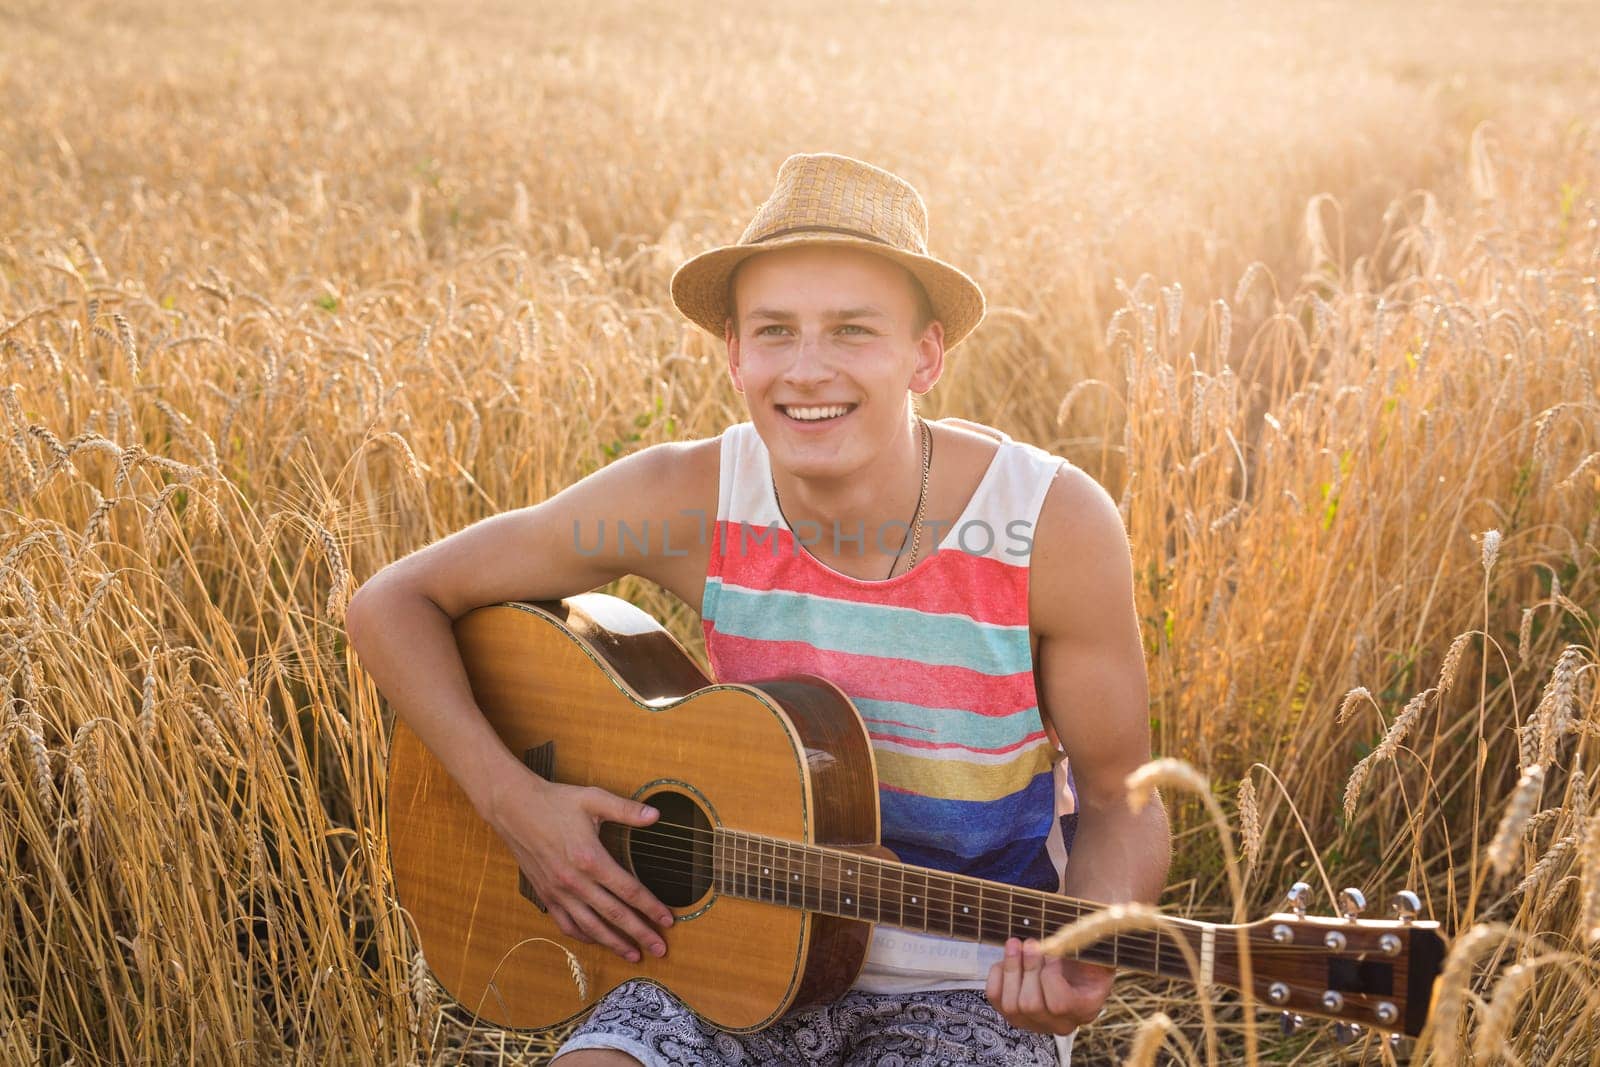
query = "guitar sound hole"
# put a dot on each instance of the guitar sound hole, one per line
(672, 856)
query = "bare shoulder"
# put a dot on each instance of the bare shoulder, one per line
(571, 542)
(687, 470)
(970, 427)
(1081, 573)
(972, 444)
(656, 483)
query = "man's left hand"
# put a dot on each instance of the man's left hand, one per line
(1046, 995)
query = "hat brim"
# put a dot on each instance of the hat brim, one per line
(700, 286)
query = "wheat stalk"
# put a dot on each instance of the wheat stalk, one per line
(339, 593)
(1547, 863)
(1452, 657)
(1557, 702)
(39, 757)
(1454, 988)
(1250, 821)
(1385, 750)
(1347, 706)
(1491, 549)
(403, 447)
(1503, 849)
(1147, 1041)
(1494, 1025)
(1589, 922)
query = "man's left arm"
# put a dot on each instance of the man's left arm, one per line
(1094, 692)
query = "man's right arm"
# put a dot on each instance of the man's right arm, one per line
(400, 623)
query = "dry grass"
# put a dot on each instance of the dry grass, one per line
(286, 292)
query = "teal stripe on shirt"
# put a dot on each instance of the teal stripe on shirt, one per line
(872, 629)
(946, 725)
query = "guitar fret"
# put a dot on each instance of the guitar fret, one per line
(965, 905)
(788, 870)
(777, 858)
(919, 898)
(752, 867)
(741, 877)
(826, 860)
(847, 895)
(900, 898)
(737, 862)
(825, 903)
(764, 869)
(817, 863)
(769, 865)
(780, 863)
(941, 890)
(988, 919)
(785, 870)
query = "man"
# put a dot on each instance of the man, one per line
(972, 594)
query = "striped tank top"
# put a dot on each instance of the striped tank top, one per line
(939, 663)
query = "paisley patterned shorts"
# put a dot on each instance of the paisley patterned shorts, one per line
(931, 1029)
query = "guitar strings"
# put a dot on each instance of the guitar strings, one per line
(744, 849)
(1125, 948)
(745, 845)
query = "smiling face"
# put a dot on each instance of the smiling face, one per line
(827, 343)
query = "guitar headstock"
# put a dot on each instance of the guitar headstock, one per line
(1365, 973)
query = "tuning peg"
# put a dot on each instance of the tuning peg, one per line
(1346, 1033)
(1405, 906)
(1351, 902)
(1299, 897)
(1289, 1022)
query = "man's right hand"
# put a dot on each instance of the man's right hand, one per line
(553, 831)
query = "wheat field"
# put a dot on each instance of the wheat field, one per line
(288, 291)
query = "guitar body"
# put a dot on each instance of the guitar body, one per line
(593, 692)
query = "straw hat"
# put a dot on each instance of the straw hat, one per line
(834, 200)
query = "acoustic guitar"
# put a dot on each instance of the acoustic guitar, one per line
(767, 849)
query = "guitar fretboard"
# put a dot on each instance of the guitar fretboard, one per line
(853, 886)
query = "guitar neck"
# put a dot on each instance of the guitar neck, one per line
(854, 886)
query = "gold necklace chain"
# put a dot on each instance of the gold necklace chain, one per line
(916, 519)
(922, 495)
